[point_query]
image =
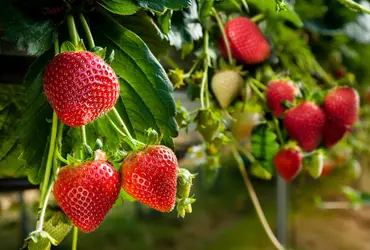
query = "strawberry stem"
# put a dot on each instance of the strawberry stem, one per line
(255, 200)
(278, 131)
(256, 90)
(245, 6)
(75, 237)
(258, 18)
(191, 70)
(49, 161)
(86, 28)
(224, 37)
(57, 156)
(134, 144)
(204, 84)
(72, 29)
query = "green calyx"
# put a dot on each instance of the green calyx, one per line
(184, 183)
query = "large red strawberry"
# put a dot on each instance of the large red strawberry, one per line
(333, 133)
(246, 41)
(87, 192)
(342, 106)
(278, 91)
(305, 124)
(288, 163)
(150, 176)
(80, 87)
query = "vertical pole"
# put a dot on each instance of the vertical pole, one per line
(282, 211)
(22, 218)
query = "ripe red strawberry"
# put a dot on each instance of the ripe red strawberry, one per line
(246, 41)
(305, 124)
(333, 133)
(288, 163)
(87, 192)
(278, 91)
(342, 106)
(150, 176)
(80, 87)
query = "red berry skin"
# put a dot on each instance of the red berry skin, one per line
(305, 124)
(333, 133)
(278, 91)
(288, 163)
(150, 176)
(80, 87)
(87, 192)
(342, 106)
(246, 41)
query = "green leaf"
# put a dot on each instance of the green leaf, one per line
(264, 146)
(120, 7)
(33, 36)
(205, 8)
(146, 100)
(185, 26)
(67, 46)
(57, 224)
(99, 51)
(160, 5)
(269, 8)
(143, 26)
(164, 21)
(31, 130)
(42, 244)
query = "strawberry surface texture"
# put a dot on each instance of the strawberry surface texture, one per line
(150, 176)
(87, 192)
(80, 87)
(246, 41)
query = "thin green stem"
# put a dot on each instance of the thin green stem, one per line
(49, 162)
(122, 123)
(354, 6)
(86, 28)
(256, 90)
(258, 18)
(188, 74)
(244, 2)
(60, 157)
(224, 37)
(255, 200)
(205, 72)
(75, 237)
(57, 157)
(43, 209)
(115, 126)
(278, 131)
(259, 84)
(170, 62)
(56, 47)
(72, 29)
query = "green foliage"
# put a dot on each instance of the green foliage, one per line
(144, 84)
(264, 147)
(143, 26)
(31, 35)
(120, 7)
(160, 5)
(185, 26)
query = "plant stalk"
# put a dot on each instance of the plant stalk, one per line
(204, 84)
(224, 37)
(86, 28)
(49, 162)
(72, 29)
(75, 238)
(255, 200)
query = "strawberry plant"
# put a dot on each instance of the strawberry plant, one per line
(96, 117)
